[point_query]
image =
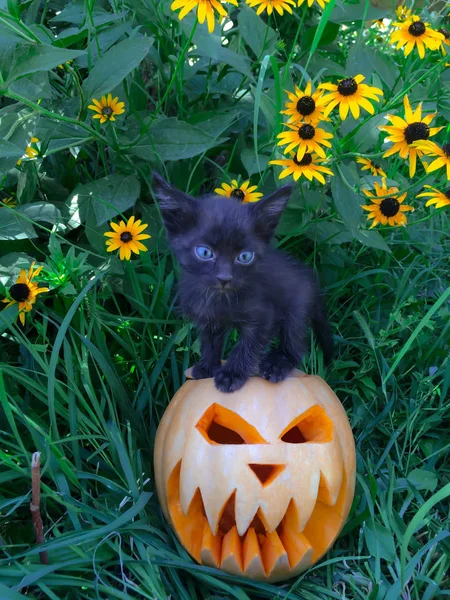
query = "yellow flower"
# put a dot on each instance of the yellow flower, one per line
(61, 66)
(402, 12)
(387, 210)
(30, 152)
(431, 149)
(446, 41)
(370, 165)
(414, 32)
(205, 10)
(107, 108)
(9, 202)
(307, 137)
(404, 132)
(305, 106)
(321, 3)
(436, 197)
(309, 166)
(350, 93)
(379, 24)
(242, 192)
(24, 291)
(271, 5)
(126, 237)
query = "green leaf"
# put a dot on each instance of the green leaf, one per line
(371, 238)
(422, 479)
(15, 227)
(26, 183)
(174, 140)
(258, 35)
(34, 87)
(10, 150)
(366, 60)
(11, 264)
(380, 541)
(329, 34)
(55, 136)
(112, 68)
(346, 13)
(108, 197)
(250, 161)
(39, 58)
(214, 123)
(104, 40)
(347, 202)
(40, 212)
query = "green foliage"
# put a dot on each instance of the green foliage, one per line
(86, 380)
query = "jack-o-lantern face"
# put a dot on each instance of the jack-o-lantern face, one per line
(259, 482)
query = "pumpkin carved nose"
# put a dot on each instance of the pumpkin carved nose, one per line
(267, 473)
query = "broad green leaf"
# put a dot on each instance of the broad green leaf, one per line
(40, 212)
(33, 87)
(108, 197)
(55, 136)
(39, 58)
(380, 541)
(347, 202)
(372, 239)
(10, 150)
(250, 162)
(26, 183)
(366, 60)
(422, 479)
(329, 34)
(13, 226)
(11, 264)
(258, 35)
(112, 68)
(214, 123)
(346, 13)
(172, 139)
(104, 40)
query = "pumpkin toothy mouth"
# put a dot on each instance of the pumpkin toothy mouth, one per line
(259, 553)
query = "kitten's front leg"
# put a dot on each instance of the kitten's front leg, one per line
(243, 360)
(211, 342)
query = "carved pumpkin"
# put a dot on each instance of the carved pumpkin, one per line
(259, 482)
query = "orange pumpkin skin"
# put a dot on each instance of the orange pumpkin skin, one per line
(258, 483)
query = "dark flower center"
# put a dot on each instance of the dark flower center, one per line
(389, 207)
(347, 87)
(375, 166)
(417, 28)
(306, 132)
(446, 149)
(238, 194)
(306, 160)
(445, 33)
(107, 111)
(19, 292)
(447, 193)
(126, 237)
(306, 105)
(417, 131)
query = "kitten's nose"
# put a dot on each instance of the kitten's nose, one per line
(224, 280)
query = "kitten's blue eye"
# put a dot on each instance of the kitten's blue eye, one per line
(204, 253)
(245, 257)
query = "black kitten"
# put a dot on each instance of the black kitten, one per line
(232, 278)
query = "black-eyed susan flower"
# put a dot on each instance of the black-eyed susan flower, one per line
(10, 202)
(429, 148)
(107, 108)
(126, 237)
(205, 10)
(270, 5)
(436, 197)
(386, 206)
(31, 151)
(370, 165)
(446, 40)
(414, 32)
(306, 106)
(404, 132)
(350, 93)
(243, 192)
(321, 3)
(402, 12)
(309, 166)
(24, 291)
(306, 137)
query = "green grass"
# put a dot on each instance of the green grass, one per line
(87, 380)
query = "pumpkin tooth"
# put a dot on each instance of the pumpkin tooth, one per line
(298, 548)
(329, 487)
(231, 560)
(211, 547)
(274, 554)
(253, 562)
(305, 496)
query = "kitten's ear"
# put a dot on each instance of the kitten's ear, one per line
(179, 210)
(268, 210)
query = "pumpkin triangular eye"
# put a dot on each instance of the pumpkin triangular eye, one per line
(220, 425)
(313, 426)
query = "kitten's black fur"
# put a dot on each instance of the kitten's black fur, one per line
(274, 296)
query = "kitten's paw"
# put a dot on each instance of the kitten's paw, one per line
(202, 371)
(229, 381)
(275, 367)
